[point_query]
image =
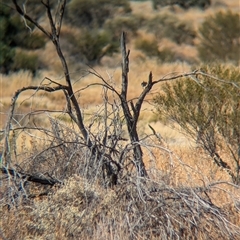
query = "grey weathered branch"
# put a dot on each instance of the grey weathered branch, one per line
(130, 119)
(54, 37)
(6, 151)
(29, 177)
(30, 19)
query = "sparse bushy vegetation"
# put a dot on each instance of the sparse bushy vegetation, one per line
(169, 26)
(129, 24)
(182, 3)
(150, 49)
(219, 36)
(6, 57)
(92, 13)
(25, 61)
(14, 33)
(209, 112)
(90, 46)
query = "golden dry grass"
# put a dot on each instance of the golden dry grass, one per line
(80, 210)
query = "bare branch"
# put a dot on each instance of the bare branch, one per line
(194, 73)
(29, 177)
(218, 79)
(50, 18)
(146, 90)
(24, 15)
(59, 16)
(125, 66)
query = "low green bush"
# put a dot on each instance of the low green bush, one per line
(30, 41)
(166, 55)
(169, 26)
(220, 38)
(208, 110)
(26, 61)
(7, 31)
(13, 34)
(6, 57)
(150, 48)
(203, 4)
(92, 13)
(90, 46)
(128, 24)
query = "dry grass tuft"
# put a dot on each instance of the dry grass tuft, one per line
(80, 210)
(184, 197)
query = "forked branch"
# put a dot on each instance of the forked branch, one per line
(54, 37)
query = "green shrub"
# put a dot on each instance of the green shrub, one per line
(182, 3)
(166, 55)
(150, 48)
(26, 61)
(209, 112)
(6, 57)
(93, 13)
(33, 8)
(220, 38)
(35, 41)
(24, 37)
(14, 33)
(7, 31)
(92, 45)
(30, 41)
(128, 24)
(169, 26)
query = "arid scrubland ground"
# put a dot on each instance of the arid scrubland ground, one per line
(80, 209)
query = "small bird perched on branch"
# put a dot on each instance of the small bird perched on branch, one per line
(144, 84)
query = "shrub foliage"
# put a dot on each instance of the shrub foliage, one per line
(182, 3)
(90, 46)
(129, 24)
(93, 13)
(209, 112)
(220, 38)
(26, 61)
(14, 33)
(150, 48)
(169, 26)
